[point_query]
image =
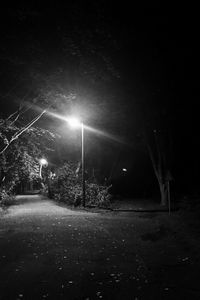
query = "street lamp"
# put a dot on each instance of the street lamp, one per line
(75, 123)
(43, 162)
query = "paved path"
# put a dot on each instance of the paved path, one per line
(50, 252)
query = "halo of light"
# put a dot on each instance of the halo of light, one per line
(43, 161)
(74, 122)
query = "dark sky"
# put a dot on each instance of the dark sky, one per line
(157, 55)
(158, 45)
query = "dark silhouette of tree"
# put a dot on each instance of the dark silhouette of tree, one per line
(156, 131)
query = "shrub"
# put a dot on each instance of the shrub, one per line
(97, 195)
(6, 198)
(67, 187)
(44, 189)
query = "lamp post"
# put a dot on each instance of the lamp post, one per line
(75, 123)
(83, 162)
(43, 162)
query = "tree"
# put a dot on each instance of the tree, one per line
(64, 65)
(9, 132)
(20, 161)
(156, 131)
(158, 150)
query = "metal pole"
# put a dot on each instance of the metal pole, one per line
(83, 164)
(169, 200)
(40, 171)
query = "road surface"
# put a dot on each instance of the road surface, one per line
(48, 251)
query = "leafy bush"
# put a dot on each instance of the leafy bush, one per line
(6, 198)
(44, 189)
(68, 194)
(67, 187)
(97, 195)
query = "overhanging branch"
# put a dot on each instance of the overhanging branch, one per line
(21, 131)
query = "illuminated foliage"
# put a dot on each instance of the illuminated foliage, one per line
(66, 187)
(20, 161)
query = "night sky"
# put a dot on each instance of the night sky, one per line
(154, 55)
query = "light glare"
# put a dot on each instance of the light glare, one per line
(43, 161)
(74, 122)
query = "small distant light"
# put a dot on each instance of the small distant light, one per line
(124, 170)
(52, 175)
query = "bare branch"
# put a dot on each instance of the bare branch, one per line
(17, 113)
(15, 119)
(26, 127)
(152, 160)
(21, 131)
(12, 115)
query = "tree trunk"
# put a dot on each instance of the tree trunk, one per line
(163, 192)
(159, 169)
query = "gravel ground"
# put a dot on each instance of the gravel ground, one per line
(48, 251)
